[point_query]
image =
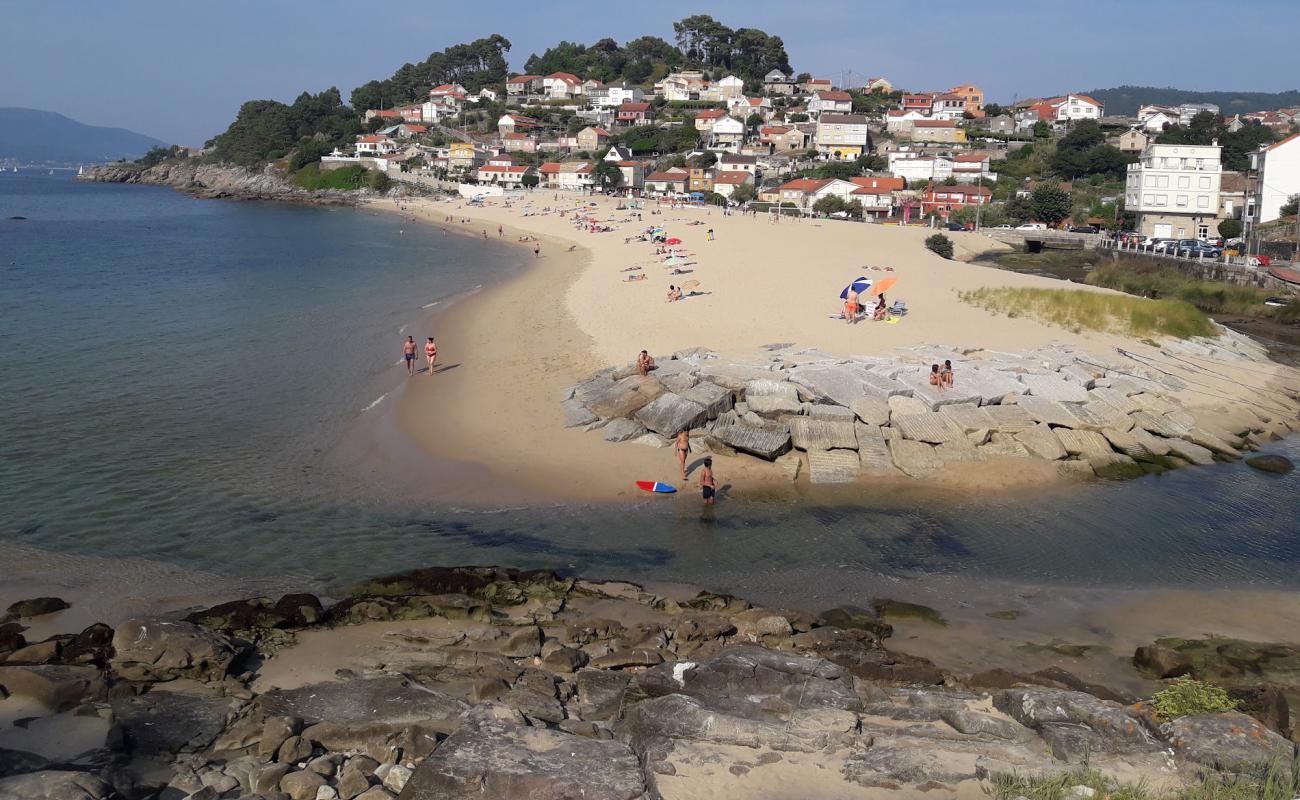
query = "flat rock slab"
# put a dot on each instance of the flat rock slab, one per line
(1156, 423)
(845, 383)
(715, 398)
(1004, 445)
(766, 442)
(831, 413)
(625, 397)
(934, 397)
(917, 459)
(832, 466)
(990, 384)
(1053, 387)
(1105, 415)
(1049, 411)
(773, 405)
(873, 454)
(1085, 444)
(1040, 441)
(1075, 469)
(814, 434)
(871, 410)
(929, 427)
(771, 387)
(732, 376)
(1189, 451)
(1010, 418)
(490, 759)
(669, 414)
(622, 430)
(967, 417)
(906, 405)
(388, 699)
(577, 415)
(1115, 398)
(1128, 444)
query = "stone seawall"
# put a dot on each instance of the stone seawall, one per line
(855, 417)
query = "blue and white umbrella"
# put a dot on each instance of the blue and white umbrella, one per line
(861, 285)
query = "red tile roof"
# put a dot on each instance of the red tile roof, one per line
(600, 131)
(371, 138)
(666, 176)
(876, 185)
(567, 77)
(737, 177)
(634, 107)
(838, 97)
(513, 169)
(970, 158)
(805, 184)
(549, 168)
(711, 113)
(384, 113)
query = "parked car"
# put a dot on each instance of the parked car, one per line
(1084, 229)
(1003, 227)
(1195, 248)
(955, 226)
(1032, 226)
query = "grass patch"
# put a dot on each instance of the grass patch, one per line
(1079, 310)
(1166, 282)
(897, 609)
(1279, 780)
(311, 177)
(1187, 697)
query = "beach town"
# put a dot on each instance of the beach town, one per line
(835, 438)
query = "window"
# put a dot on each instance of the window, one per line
(1181, 201)
(1205, 183)
(1202, 232)
(1202, 201)
(1162, 199)
(1149, 200)
(1162, 181)
(1184, 182)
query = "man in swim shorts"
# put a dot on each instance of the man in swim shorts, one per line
(408, 352)
(707, 485)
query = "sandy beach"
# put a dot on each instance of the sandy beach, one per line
(508, 352)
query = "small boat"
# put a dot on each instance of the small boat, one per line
(81, 171)
(1279, 302)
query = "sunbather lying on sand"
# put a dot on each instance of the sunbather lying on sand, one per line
(634, 278)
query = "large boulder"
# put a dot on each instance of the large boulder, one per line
(656, 722)
(162, 650)
(1231, 741)
(767, 442)
(626, 397)
(54, 686)
(55, 785)
(388, 700)
(1074, 723)
(35, 607)
(1159, 661)
(669, 414)
(715, 398)
(161, 722)
(1279, 465)
(493, 756)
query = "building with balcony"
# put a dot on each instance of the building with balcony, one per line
(1174, 189)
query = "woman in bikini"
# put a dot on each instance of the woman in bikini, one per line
(936, 379)
(945, 375)
(882, 310)
(683, 450)
(431, 353)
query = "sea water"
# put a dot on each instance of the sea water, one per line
(174, 373)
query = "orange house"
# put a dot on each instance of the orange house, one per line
(972, 94)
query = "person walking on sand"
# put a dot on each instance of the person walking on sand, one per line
(431, 353)
(707, 485)
(408, 353)
(500, 231)
(537, 250)
(683, 450)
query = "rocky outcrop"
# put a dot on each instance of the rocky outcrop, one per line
(211, 180)
(1077, 414)
(520, 684)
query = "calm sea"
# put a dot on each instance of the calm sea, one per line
(175, 372)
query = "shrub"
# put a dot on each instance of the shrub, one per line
(378, 181)
(1187, 696)
(1230, 228)
(940, 244)
(312, 177)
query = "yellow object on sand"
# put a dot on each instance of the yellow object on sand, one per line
(893, 320)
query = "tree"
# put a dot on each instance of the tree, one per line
(608, 174)
(744, 193)
(1291, 207)
(1018, 210)
(1042, 130)
(800, 117)
(475, 65)
(753, 121)
(833, 204)
(1230, 228)
(940, 245)
(308, 151)
(1050, 204)
(993, 110)
(378, 181)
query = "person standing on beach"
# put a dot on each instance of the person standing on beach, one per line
(431, 353)
(537, 250)
(851, 307)
(707, 485)
(710, 234)
(408, 353)
(683, 450)
(500, 231)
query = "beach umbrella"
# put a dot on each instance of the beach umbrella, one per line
(673, 240)
(690, 285)
(885, 285)
(860, 286)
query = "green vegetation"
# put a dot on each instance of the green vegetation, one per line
(1207, 128)
(939, 245)
(157, 155)
(266, 130)
(1291, 207)
(312, 177)
(897, 609)
(1126, 100)
(832, 204)
(476, 65)
(1187, 697)
(1079, 310)
(1279, 780)
(1083, 151)
(1163, 281)
(1050, 203)
(637, 62)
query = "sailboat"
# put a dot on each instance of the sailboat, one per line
(81, 171)
(51, 172)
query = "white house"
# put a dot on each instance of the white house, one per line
(830, 102)
(512, 175)
(897, 121)
(729, 162)
(572, 176)
(1075, 107)
(728, 133)
(742, 107)
(725, 183)
(724, 89)
(615, 95)
(375, 145)
(1275, 177)
(562, 86)
(1174, 188)
(948, 106)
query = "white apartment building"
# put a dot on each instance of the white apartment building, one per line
(1275, 177)
(1174, 188)
(614, 96)
(842, 136)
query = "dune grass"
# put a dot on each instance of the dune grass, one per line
(1162, 281)
(1079, 310)
(1279, 780)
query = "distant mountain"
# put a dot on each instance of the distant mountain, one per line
(1124, 101)
(44, 137)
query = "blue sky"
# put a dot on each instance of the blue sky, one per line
(178, 70)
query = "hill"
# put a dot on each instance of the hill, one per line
(44, 137)
(1124, 101)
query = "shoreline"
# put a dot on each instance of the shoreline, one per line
(498, 413)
